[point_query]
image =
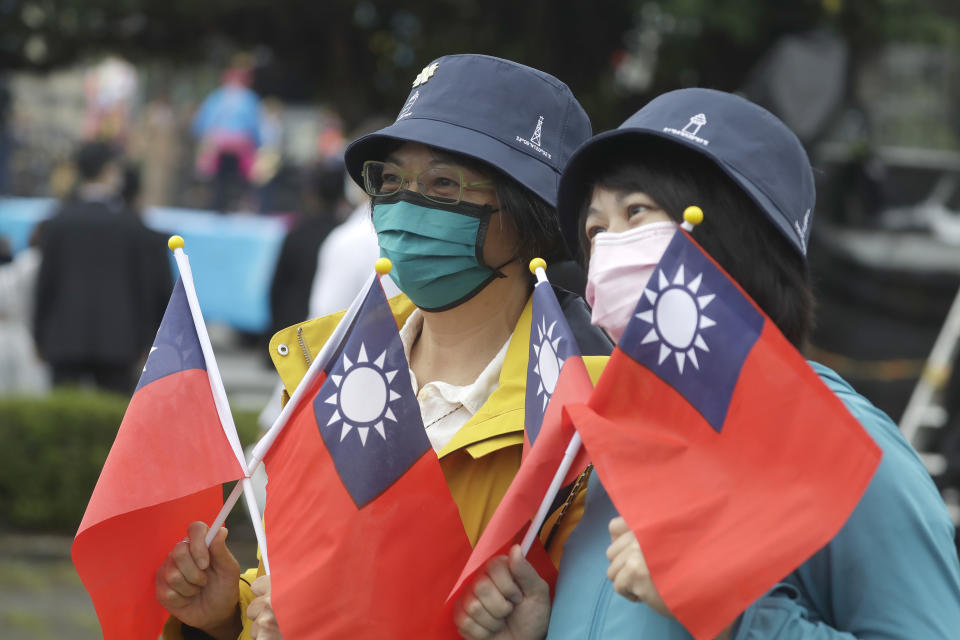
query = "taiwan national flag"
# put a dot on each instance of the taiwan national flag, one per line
(551, 344)
(365, 540)
(165, 470)
(722, 449)
(556, 374)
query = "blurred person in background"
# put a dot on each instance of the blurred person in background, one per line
(297, 269)
(157, 145)
(21, 371)
(103, 280)
(6, 141)
(269, 159)
(227, 126)
(347, 255)
(297, 262)
(156, 257)
(110, 88)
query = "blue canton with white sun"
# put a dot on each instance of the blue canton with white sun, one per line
(176, 347)
(693, 328)
(551, 343)
(366, 410)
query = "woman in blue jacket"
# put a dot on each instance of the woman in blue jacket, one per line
(891, 572)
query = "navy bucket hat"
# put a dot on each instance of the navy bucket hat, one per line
(521, 121)
(747, 142)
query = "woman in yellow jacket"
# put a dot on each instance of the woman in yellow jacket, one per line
(464, 186)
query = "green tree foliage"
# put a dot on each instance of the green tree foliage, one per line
(361, 55)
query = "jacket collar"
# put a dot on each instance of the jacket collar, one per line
(498, 423)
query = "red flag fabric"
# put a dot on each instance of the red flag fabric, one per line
(719, 445)
(365, 540)
(552, 343)
(522, 499)
(164, 471)
(555, 374)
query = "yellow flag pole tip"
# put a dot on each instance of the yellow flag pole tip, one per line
(175, 242)
(383, 266)
(537, 263)
(693, 215)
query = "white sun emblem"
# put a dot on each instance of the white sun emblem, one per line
(677, 318)
(362, 396)
(548, 362)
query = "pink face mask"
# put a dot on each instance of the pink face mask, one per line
(620, 267)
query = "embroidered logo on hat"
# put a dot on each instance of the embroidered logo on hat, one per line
(535, 138)
(425, 74)
(803, 231)
(407, 109)
(534, 141)
(691, 129)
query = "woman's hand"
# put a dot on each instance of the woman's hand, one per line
(200, 586)
(628, 569)
(629, 573)
(264, 624)
(510, 601)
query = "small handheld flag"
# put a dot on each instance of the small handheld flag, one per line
(555, 374)
(165, 469)
(551, 344)
(176, 244)
(355, 488)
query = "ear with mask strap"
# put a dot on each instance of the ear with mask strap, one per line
(481, 239)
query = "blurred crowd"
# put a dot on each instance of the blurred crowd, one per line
(81, 303)
(202, 138)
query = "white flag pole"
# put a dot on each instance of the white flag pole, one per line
(538, 266)
(224, 512)
(219, 398)
(572, 449)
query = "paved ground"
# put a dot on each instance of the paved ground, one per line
(41, 596)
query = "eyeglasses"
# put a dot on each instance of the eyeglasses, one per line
(444, 185)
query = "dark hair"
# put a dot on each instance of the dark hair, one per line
(538, 231)
(130, 190)
(734, 231)
(92, 158)
(328, 182)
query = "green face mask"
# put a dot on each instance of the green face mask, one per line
(436, 249)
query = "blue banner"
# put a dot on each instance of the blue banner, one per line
(233, 256)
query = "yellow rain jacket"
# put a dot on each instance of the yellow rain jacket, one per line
(481, 460)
